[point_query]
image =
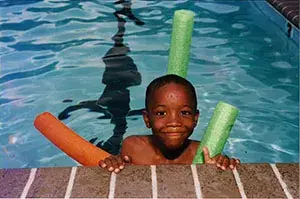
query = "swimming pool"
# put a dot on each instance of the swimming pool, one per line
(61, 57)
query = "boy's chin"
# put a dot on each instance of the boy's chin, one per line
(173, 146)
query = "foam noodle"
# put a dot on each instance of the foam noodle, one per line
(68, 141)
(217, 131)
(182, 29)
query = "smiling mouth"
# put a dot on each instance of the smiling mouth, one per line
(173, 134)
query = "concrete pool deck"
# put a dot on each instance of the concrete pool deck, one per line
(163, 181)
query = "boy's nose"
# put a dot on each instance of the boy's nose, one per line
(174, 121)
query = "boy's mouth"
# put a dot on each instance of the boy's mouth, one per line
(174, 135)
(172, 130)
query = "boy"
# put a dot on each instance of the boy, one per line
(171, 113)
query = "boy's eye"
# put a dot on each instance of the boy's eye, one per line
(186, 113)
(160, 113)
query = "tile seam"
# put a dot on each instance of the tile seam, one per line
(71, 182)
(285, 7)
(280, 3)
(239, 183)
(112, 185)
(154, 181)
(289, 12)
(295, 17)
(282, 183)
(196, 182)
(29, 183)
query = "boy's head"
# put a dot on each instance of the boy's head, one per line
(171, 110)
(167, 79)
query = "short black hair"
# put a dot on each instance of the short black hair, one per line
(167, 79)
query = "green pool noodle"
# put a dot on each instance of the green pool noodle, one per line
(217, 131)
(179, 55)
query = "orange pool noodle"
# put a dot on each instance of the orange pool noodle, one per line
(68, 141)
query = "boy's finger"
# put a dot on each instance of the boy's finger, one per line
(120, 162)
(127, 159)
(109, 164)
(220, 160)
(102, 164)
(225, 163)
(206, 155)
(232, 163)
(114, 163)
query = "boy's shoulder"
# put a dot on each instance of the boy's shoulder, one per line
(136, 141)
(136, 146)
(136, 138)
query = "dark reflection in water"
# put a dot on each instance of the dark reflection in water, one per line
(120, 73)
(17, 2)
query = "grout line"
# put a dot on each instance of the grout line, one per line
(196, 181)
(284, 8)
(71, 182)
(289, 12)
(279, 4)
(154, 181)
(282, 183)
(295, 17)
(29, 183)
(239, 183)
(112, 185)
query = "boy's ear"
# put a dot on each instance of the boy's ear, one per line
(146, 118)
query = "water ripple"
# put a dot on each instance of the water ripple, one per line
(43, 56)
(7, 39)
(4, 100)
(66, 21)
(55, 47)
(26, 74)
(218, 7)
(71, 5)
(17, 2)
(23, 25)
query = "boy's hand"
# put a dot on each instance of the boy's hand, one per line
(222, 162)
(115, 163)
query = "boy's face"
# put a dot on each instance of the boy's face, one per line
(172, 115)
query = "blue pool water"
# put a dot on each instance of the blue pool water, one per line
(59, 56)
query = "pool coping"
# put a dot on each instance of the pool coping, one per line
(279, 19)
(280, 180)
(289, 9)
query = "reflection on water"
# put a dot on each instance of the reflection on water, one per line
(120, 73)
